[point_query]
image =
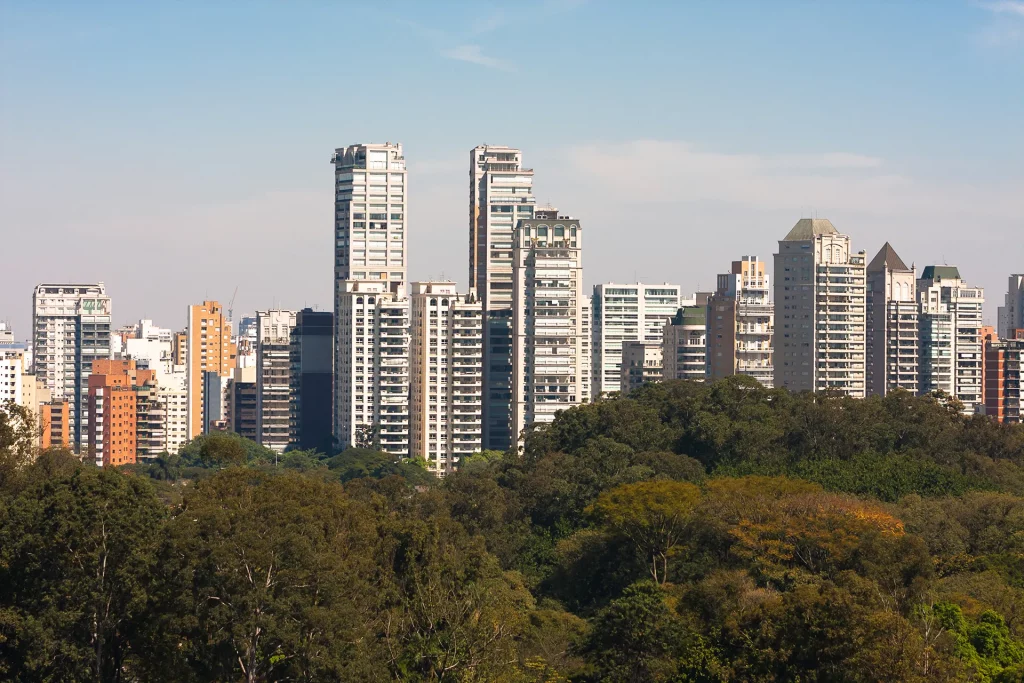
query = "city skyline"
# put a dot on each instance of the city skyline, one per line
(740, 145)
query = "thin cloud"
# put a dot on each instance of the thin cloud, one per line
(1014, 7)
(474, 55)
(489, 23)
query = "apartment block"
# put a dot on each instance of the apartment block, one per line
(465, 379)
(892, 324)
(1011, 313)
(642, 363)
(208, 349)
(950, 321)
(548, 320)
(370, 222)
(741, 322)
(500, 195)
(431, 305)
(685, 341)
(114, 403)
(1002, 377)
(622, 313)
(820, 309)
(312, 380)
(372, 378)
(274, 377)
(242, 414)
(55, 424)
(71, 329)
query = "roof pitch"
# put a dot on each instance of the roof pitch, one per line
(940, 273)
(809, 228)
(886, 259)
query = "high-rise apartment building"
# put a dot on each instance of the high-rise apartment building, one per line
(950, 317)
(446, 375)
(370, 222)
(1011, 313)
(1002, 377)
(431, 306)
(500, 195)
(273, 377)
(642, 363)
(312, 378)
(71, 329)
(685, 341)
(626, 312)
(208, 349)
(740, 323)
(465, 379)
(892, 329)
(548, 319)
(179, 348)
(242, 404)
(115, 406)
(372, 367)
(819, 335)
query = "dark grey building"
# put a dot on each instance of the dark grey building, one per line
(312, 380)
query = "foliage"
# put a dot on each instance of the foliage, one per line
(685, 532)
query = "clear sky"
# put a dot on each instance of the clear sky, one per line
(176, 150)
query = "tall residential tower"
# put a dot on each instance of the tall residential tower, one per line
(819, 311)
(891, 334)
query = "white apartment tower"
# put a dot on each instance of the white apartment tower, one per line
(626, 312)
(1011, 313)
(370, 213)
(465, 378)
(500, 195)
(819, 335)
(642, 363)
(273, 377)
(548, 350)
(950, 317)
(446, 356)
(685, 341)
(391, 374)
(892, 332)
(71, 329)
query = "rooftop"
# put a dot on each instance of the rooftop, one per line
(886, 259)
(809, 228)
(940, 273)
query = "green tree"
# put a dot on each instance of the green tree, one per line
(653, 515)
(17, 429)
(77, 557)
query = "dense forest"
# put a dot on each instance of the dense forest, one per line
(687, 532)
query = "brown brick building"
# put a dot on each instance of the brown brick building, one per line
(55, 424)
(114, 406)
(1002, 376)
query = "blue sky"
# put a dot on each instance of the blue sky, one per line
(176, 150)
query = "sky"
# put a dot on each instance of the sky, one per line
(178, 151)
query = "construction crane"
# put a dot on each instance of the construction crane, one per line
(231, 306)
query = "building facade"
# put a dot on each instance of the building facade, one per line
(55, 424)
(71, 329)
(431, 305)
(891, 335)
(114, 404)
(685, 341)
(208, 349)
(274, 378)
(950, 321)
(548, 320)
(465, 379)
(622, 313)
(312, 381)
(741, 323)
(242, 414)
(642, 363)
(820, 300)
(1011, 313)
(1002, 377)
(500, 195)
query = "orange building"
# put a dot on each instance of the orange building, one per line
(208, 349)
(179, 348)
(55, 424)
(113, 409)
(1002, 376)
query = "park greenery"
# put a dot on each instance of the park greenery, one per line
(686, 532)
